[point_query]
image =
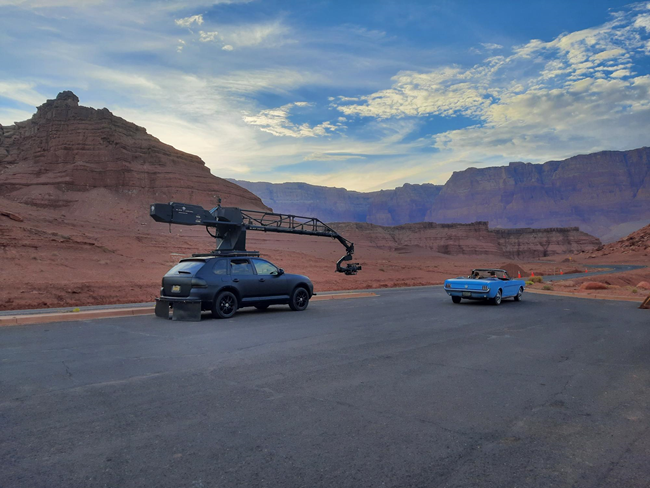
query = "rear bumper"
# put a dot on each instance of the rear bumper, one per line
(473, 294)
(183, 309)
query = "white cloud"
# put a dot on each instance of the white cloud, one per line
(276, 121)
(490, 46)
(270, 34)
(21, 91)
(331, 157)
(208, 36)
(188, 21)
(227, 47)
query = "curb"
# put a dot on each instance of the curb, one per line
(45, 318)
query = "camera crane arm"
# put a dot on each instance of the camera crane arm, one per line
(230, 225)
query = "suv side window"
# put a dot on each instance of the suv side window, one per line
(264, 267)
(221, 267)
(240, 267)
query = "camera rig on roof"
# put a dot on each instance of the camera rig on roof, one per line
(228, 225)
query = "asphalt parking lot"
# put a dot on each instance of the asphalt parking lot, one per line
(402, 389)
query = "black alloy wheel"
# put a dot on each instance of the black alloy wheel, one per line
(299, 299)
(225, 305)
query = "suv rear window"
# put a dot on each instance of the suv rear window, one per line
(186, 268)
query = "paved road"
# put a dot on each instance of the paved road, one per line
(404, 389)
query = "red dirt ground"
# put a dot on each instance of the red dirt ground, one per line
(104, 261)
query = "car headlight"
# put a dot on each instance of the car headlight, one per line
(486, 288)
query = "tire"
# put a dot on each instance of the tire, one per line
(263, 306)
(518, 295)
(455, 299)
(225, 305)
(497, 299)
(299, 299)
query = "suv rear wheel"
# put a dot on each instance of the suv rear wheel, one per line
(225, 305)
(299, 299)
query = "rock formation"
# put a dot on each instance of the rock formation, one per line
(606, 194)
(408, 203)
(475, 239)
(89, 162)
(637, 243)
(595, 192)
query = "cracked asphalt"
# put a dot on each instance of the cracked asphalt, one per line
(403, 389)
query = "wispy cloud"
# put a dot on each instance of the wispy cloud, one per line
(188, 21)
(276, 121)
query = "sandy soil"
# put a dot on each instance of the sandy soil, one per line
(47, 261)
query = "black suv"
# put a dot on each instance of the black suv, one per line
(225, 284)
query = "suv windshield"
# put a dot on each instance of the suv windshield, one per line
(186, 268)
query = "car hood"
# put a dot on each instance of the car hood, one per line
(297, 277)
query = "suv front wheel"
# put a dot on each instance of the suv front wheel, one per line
(299, 299)
(225, 305)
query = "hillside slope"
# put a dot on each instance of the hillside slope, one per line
(89, 163)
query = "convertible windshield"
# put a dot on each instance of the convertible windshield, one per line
(483, 274)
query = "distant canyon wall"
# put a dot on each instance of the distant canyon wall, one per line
(408, 203)
(596, 192)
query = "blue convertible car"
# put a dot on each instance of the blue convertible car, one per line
(485, 284)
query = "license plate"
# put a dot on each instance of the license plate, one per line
(176, 289)
(467, 293)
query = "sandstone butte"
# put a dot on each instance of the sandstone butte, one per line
(86, 163)
(606, 194)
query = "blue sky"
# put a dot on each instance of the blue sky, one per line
(357, 94)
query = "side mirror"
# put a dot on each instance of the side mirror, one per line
(280, 271)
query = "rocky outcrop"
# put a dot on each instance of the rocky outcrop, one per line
(475, 239)
(408, 203)
(637, 243)
(87, 161)
(595, 192)
(606, 194)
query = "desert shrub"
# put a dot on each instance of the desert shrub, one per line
(536, 279)
(547, 287)
(528, 283)
(634, 290)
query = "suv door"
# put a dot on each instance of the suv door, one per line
(243, 278)
(271, 282)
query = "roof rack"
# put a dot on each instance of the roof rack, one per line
(229, 254)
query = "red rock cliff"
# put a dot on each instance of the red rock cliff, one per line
(475, 239)
(87, 161)
(595, 192)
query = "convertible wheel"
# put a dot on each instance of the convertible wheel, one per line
(299, 299)
(497, 299)
(518, 295)
(455, 299)
(225, 305)
(261, 307)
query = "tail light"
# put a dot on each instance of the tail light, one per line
(198, 283)
(486, 288)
